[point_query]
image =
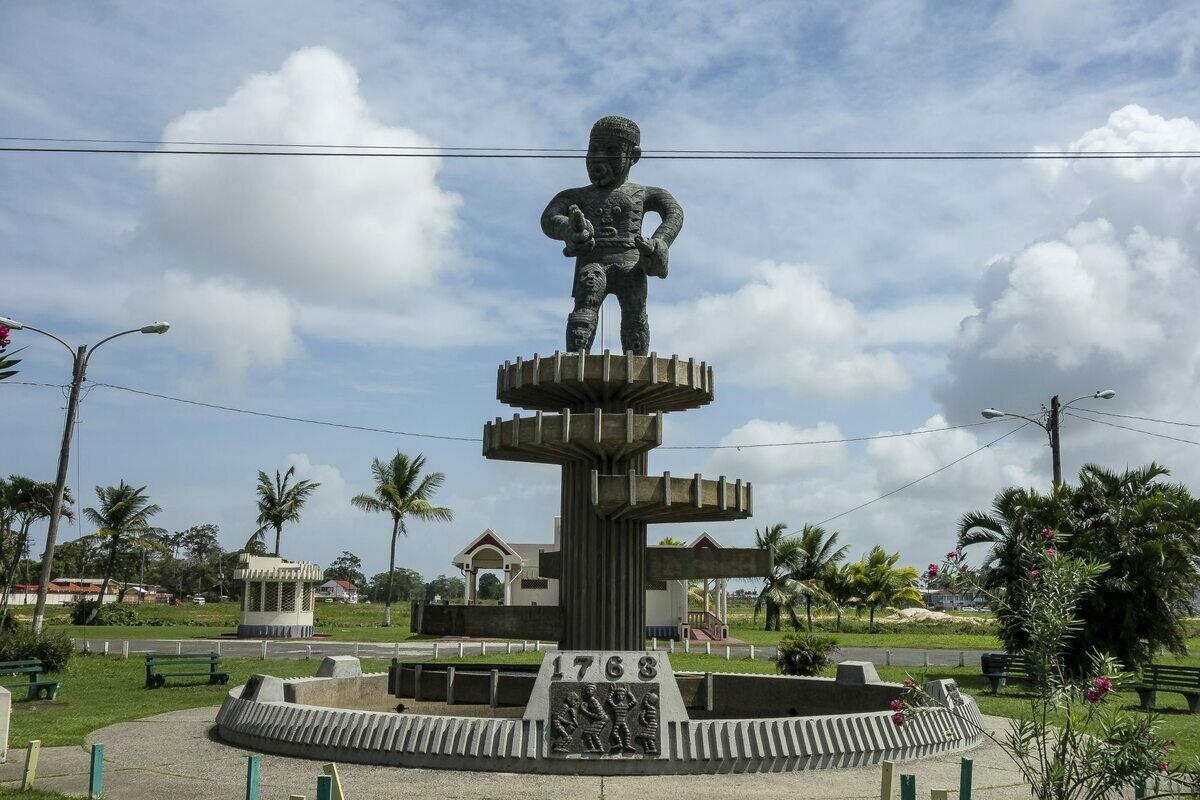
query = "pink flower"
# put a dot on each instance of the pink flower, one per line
(895, 704)
(1103, 684)
(1050, 552)
(933, 570)
(953, 554)
(1047, 533)
(908, 684)
(1162, 766)
(1035, 574)
(897, 719)
(1093, 695)
(4, 340)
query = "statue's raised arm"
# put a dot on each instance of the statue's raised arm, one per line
(600, 226)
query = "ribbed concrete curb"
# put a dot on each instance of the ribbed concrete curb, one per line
(513, 745)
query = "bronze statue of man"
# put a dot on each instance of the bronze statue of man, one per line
(601, 227)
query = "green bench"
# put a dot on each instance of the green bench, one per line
(999, 667)
(161, 667)
(1170, 678)
(31, 667)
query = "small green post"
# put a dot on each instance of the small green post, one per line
(1139, 789)
(96, 778)
(324, 787)
(252, 765)
(964, 779)
(908, 787)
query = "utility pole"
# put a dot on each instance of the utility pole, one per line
(60, 485)
(1055, 446)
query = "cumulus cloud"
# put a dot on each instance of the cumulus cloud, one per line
(782, 329)
(1110, 303)
(768, 463)
(347, 226)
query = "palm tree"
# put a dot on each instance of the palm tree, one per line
(777, 590)
(818, 551)
(402, 492)
(26, 502)
(881, 584)
(123, 518)
(838, 583)
(279, 503)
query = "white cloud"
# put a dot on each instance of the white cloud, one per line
(243, 328)
(321, 226)
(771, 463)
(783, 329)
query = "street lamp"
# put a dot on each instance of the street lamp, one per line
(1049, 423)
(79, 357)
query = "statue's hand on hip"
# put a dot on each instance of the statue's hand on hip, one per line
(581, 235)
(654, 256)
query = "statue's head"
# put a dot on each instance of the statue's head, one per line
(614, 146)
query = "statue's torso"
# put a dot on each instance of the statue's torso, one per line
(616, 217)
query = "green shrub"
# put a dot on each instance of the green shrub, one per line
(110, 614)
(52, 647)
(804, 654)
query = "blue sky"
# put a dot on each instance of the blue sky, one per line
(833, 299)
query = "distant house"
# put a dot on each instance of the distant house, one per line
(953, 599)
(63, 591)
(341, 591)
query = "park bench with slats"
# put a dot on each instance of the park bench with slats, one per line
(999, 667)
(161, 667)
(1170, 678)
(31, 667)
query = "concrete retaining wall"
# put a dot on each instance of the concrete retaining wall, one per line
(367, 692)
(514, 745)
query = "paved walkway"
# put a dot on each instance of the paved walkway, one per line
(177, 756)
(296, 649)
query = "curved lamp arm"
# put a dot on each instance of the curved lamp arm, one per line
(1106, 394)
(992, 413)
(158, 327)
(20, 326)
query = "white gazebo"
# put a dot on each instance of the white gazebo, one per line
(277, 597)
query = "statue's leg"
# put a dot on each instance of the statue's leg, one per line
(590, 287)
(635, 325)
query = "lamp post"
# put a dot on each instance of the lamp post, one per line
(79, 361)
(1050, 424)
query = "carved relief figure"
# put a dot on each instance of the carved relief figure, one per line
(564, 723)
(648, 735)
(601, 227)
(596, 718)
(621, 703)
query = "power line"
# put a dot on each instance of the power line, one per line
(1135, 430)
(431, 150)
(1144, 419)
(827, 441)
(325, 423)
(659, 155)
(925, 476)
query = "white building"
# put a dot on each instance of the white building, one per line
(338, 591)
(667, 614)
(277, 597)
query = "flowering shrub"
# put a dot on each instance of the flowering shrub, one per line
(6, 363)
(1076, 744)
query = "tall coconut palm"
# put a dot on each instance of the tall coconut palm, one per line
(123, 518)
(838, 583)
(402, 493)
(880, 584)
(278, 504)
(818, 551)
(23, 502)
(777, 590)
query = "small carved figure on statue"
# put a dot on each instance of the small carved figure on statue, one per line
(564, 723)
(596, 719)
(648, 735)
(600, 226)
(621, 702)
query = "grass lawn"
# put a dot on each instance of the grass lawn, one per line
(101, 690)
(1013, 701)
(33, 794)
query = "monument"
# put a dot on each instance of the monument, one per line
(602, 704)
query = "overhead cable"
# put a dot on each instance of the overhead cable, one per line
(923, 477)
(1128, 428)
